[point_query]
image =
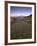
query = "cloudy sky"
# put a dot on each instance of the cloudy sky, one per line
(16, 10)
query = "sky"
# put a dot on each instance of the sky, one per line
(20, 10)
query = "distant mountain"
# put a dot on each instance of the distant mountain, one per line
(22, 18)
(17, 15)
(19, 18)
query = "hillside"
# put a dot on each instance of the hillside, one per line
(21, 27)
